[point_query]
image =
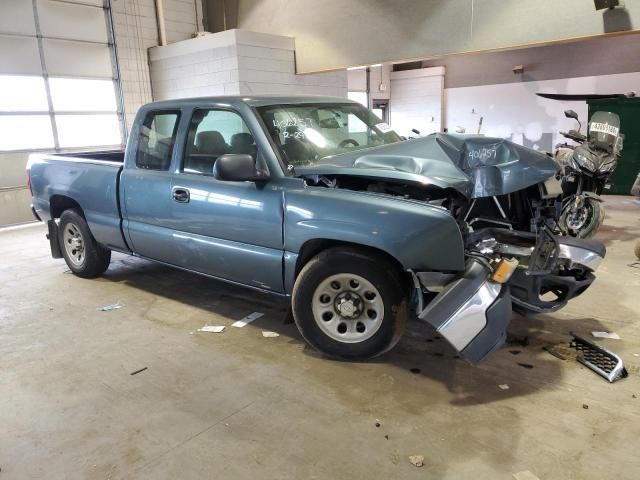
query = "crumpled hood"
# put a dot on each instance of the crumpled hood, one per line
(474, 165)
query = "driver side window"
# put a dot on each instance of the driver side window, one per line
(213, 133)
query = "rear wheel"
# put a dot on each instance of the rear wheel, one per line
(350, 304)
(84, 256)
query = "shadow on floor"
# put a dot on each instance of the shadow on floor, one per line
(421, 352)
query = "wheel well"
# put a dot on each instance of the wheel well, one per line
(312, 247)
(60, 203)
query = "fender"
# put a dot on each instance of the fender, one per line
(593, 195)
(421, 237)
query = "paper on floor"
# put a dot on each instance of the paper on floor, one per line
(266, 334)
(106, 308)
(247, 320)
(503, 386)
(212, 328)
(525, 475)
(611, 335)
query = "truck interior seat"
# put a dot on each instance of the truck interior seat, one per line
(243, 143)
(209, 145)
(212, 143)
(157, 157)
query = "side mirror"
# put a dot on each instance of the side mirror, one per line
(571, 114)
(238, 167)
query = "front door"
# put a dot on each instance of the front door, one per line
(231, 230)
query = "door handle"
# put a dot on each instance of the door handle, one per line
(181, 195)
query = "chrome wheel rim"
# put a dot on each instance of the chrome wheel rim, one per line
(348, 308)
(73, 244)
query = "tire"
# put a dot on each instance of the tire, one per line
(595, 217)
(84, 256)
(350, 304)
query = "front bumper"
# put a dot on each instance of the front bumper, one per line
(572, 273)
(471, 313)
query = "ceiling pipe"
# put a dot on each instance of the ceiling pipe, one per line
(162, 33)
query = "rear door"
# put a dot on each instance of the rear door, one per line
(146, 186)
(227, 229)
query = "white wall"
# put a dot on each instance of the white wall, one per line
(236, 62)
(416, 100)
(380, 81)
(512, 110)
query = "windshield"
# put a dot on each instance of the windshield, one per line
(306, 133)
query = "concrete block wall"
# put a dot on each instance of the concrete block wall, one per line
(236, 62)
(136, 30)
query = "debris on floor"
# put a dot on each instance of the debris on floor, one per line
(267, 334)
(138, 371)
(555, 353)
(417, 460)
(611, 335)
(108, 308)
(525, 365)
(247, 320)
(503, 386)
(415, 371)
(212, 329)
(525, 475)
(585, 406)
(597, 358)
(518, 340)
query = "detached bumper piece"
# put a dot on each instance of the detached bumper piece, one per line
(560, 269)
(471, 313)
(602, 361)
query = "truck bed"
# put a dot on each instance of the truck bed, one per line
(97, 156)
(88, 180)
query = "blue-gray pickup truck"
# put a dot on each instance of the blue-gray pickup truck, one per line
(317, 200)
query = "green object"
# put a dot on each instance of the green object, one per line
(629, 163)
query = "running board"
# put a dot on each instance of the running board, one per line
(602, 361)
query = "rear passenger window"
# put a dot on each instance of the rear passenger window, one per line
(213, 133)
(157, 139)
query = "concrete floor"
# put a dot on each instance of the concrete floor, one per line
(237, 405)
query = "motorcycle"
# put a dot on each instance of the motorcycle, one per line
(585, 171)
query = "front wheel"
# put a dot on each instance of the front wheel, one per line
(84, 256)
(582, 220)
(350, 304)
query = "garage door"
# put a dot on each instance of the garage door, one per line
(59, 87)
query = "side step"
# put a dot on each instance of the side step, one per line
(602, 361)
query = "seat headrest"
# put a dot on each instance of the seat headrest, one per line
(241, 140)
(211, 142)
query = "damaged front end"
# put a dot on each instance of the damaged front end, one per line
(506, 201)
(505, 268)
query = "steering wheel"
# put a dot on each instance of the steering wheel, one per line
(348, 141)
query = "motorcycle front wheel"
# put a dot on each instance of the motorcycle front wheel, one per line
(583, 221)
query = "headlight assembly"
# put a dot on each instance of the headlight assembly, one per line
(608, 167)
(584, 162)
